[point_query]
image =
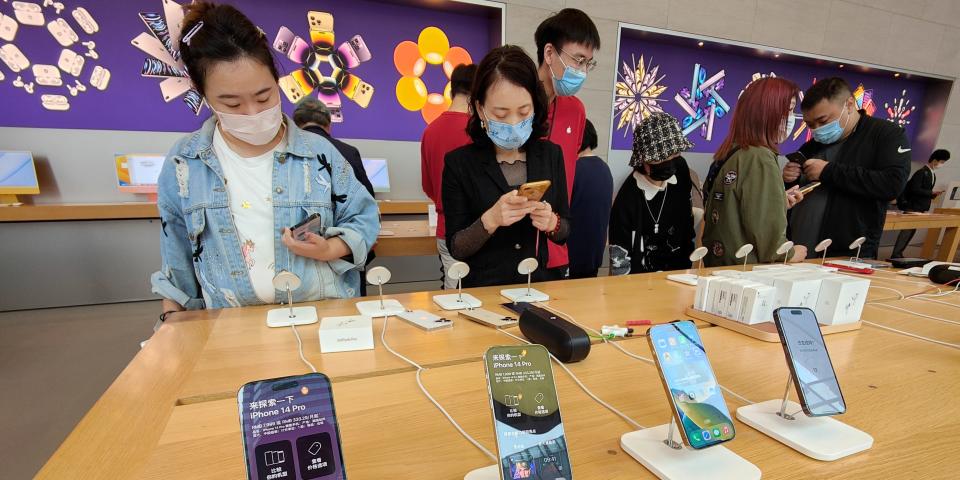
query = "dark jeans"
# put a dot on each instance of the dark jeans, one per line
(903, 240)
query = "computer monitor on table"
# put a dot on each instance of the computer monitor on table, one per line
(18, 176)
(378, 173)
(138, 172)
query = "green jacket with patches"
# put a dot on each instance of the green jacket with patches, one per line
(746, 204)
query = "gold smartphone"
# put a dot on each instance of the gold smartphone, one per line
(809, 188)
(534, 190)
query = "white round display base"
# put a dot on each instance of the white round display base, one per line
(280, 317)
(646, 446)
(373, 308)
(822, 438)
(485, 473)
(525, 294)
(456, 301)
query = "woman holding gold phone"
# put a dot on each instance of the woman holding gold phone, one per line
(502, 194)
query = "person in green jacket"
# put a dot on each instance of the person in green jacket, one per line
(744, 195)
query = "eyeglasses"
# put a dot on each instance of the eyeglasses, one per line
(581, 62)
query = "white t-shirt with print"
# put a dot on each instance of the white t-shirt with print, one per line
(249, 188)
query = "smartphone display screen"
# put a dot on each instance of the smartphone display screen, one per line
(809, 362)
(526, 413)
(290, 429)
(689, 381)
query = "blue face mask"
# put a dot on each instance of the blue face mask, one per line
(571, 81)
(830, 132)
(509, 136)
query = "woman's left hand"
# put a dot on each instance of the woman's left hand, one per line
(794, 196)
(543, 217)
(315, 246)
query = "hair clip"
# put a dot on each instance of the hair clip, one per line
(262, 33)
(193, 31)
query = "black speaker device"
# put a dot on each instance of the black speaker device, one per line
(566, 341)
(945, 274)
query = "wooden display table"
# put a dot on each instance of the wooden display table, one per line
(933, 222)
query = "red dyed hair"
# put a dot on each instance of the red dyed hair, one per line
(759, 115)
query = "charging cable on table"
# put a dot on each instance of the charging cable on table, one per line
(423, 389)
(581, 385)
(300, 348)
(616, 345)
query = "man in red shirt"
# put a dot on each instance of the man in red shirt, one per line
(566, 43)
(446, 133)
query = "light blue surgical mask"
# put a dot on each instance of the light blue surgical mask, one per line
(571, 81)
(791, 123)
(830, 132)
(509, 136)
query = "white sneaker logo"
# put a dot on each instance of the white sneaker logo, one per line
(902, 150)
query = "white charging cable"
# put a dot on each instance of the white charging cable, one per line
(938, 342)
(423, 389)
(582, 386)
(300, 348)
(616, 345)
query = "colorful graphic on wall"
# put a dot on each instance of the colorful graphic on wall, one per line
(130, 74)
(162, 42)
(899, 111)
(864, 98)
(324, 71)
(71, 49)
(637, 93)
(702, 102)
(411, 60)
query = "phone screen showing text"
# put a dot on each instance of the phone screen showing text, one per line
(694, 389)
(811, 363)
(290, 433)
(527, 415)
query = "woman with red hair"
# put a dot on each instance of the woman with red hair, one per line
(745, 199)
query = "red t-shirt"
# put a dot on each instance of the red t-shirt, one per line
(446, 133)
(567, 119)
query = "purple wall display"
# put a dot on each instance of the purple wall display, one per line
(700, 86)
(114, 65)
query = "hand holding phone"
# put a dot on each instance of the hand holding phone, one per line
(510, 208)
(810, 366)
(534, 191)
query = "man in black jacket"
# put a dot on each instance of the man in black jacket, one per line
(313, 116)
(862, 164)
(918, 195)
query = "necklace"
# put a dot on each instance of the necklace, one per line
(656, 220)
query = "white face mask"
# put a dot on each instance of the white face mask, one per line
(257, 129)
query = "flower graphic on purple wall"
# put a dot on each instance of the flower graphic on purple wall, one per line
(637, 93)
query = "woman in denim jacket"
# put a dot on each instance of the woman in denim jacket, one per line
(228, 192)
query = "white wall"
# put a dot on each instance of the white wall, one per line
(74, 165)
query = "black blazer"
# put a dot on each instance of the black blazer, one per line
(919, 192)
(473, 182)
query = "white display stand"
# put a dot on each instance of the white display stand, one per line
(285, 317)
(527, 267)
(289, 316)
(459, 300)
(691, 278)
(684, 278)
(655, 448)
(822, 438)
(383, 307)
(485, 473)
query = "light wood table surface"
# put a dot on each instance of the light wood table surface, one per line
(882, 376)
(934, 222)
(403, 238)
(198, 357)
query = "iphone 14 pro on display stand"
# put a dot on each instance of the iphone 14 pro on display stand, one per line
(526, 414)
(695, 398)
(810, 366)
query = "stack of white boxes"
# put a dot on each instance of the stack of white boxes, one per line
(751, 297)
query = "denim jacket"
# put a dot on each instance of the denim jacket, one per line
(199, 244)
